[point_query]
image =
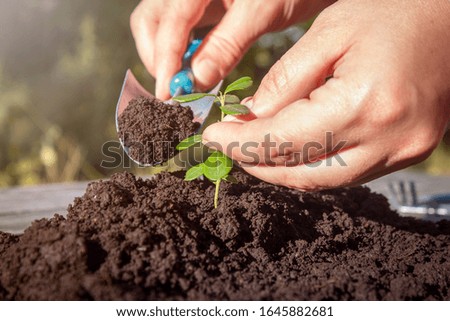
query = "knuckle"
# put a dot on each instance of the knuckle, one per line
(390, 107)
(420, 146)
(226, 49)
(192, 8)
(275, 82)
(326, 19)
(279, 136)
(271, 146)
(393, 110)
(328, 24)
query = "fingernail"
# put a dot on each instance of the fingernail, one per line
(206, 73)
(229, 118)
(248, 101)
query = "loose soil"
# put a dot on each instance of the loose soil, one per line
(151, 129)
(129, 238)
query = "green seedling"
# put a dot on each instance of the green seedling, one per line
(217, 166)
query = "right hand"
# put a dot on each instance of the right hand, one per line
(161, 29)
(386, 106)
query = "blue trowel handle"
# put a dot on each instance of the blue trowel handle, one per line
(183, 82)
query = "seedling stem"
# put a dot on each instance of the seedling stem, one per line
(218, 165)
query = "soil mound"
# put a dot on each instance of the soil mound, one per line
(129, 238)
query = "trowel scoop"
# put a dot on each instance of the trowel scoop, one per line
(182, 83)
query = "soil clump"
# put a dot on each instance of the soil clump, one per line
(130, 238)
(151, 129)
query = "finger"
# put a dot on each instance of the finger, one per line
(213, 14)
(172, 38)
(348, 168)
(302, 69)
(226, 44)
(299, 133)
(144, 24)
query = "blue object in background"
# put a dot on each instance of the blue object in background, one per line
(183, 82)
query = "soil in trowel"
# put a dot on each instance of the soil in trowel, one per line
(151, 129)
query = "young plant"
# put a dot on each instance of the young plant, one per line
(217, 166)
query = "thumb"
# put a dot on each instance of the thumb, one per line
(226, 44)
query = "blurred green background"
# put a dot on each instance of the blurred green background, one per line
(61, 68)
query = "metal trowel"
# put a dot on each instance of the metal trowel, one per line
(182, 83)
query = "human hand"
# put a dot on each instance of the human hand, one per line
(161, 29)
(388, 100)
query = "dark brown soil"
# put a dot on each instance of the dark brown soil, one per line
(151, 129)
(129, 238)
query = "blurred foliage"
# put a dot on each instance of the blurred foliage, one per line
(61, 68)
(439, 162)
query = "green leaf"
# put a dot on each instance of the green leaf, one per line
(216, 155)
(229, 99)
(240, 84)
(235, 109)
(231, 179)
(188, 142)
(217, 166)
(194, 172)
(190, 97)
